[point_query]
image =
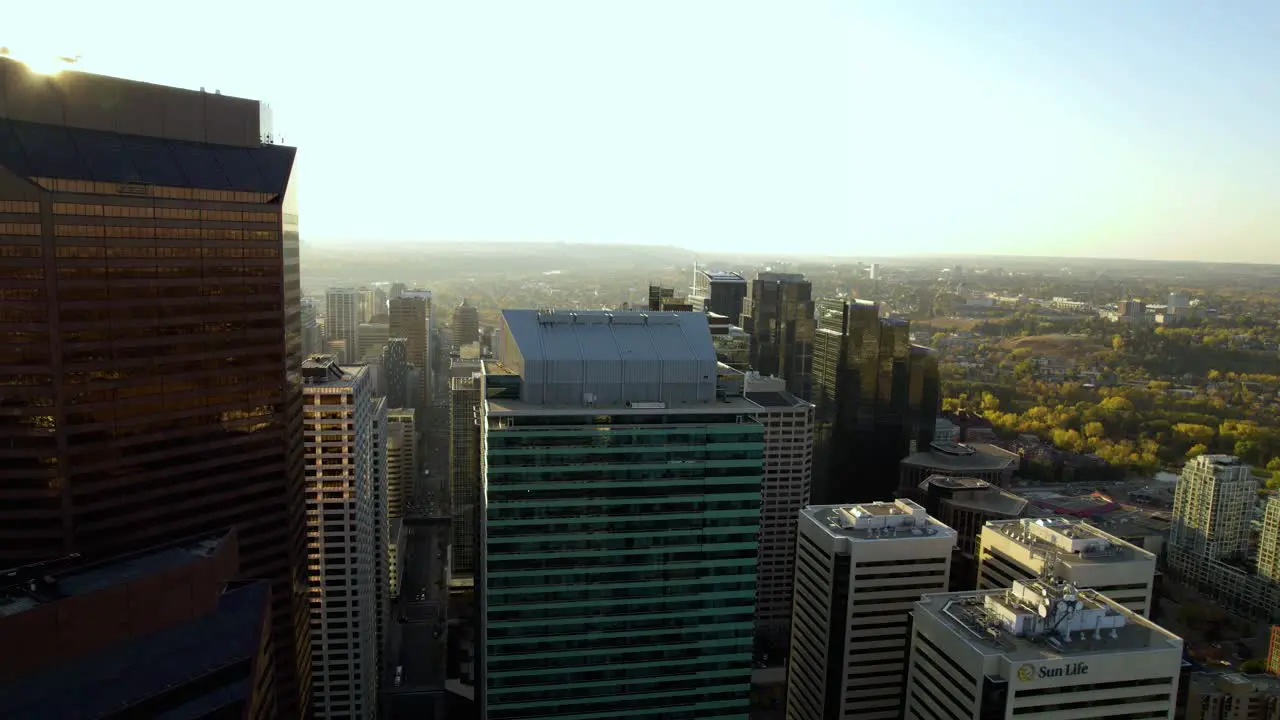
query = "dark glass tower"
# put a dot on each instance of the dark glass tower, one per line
(877, 396)
(150, 311)
(779, 318)
(395, 364)
(721, 293)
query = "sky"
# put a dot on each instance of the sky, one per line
(1137, 129)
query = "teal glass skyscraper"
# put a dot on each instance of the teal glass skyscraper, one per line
(620, 511)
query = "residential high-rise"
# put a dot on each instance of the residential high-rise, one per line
(465, 324)
(1208, 544)
(342, 321)
(858, 570)
(877, 398)
(1038, 650)
(151, 307)
(1269, 541)
(410, 318)
(620, 510)
(464, 466)
(1066, 550)
(719, 292)
(341, 538)
(403, 466)
(1212, 507)
(784, 492)
(1227, 696)
(778, 315)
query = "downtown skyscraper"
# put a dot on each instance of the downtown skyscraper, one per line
(151, 308)
(778, 315)
(342, 323)
(621, 504)
(410, 318)
(877, 399)
(345, 550)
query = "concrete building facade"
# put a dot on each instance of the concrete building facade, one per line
(784, 492)
(341, 538)
(403, 466)
(1039, 651)
(1066, 550)
(1233, 696)
(342, 322)
(859, 571)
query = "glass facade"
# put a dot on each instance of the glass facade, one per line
(150, 349)
(877, 399)
(779, 317)
(619, 565)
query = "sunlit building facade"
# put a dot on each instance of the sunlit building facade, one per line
(877, 399)
(619, 522)
(342, 538)
(778, 316)
(150, 309)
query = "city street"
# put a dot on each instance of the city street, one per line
(421, 612)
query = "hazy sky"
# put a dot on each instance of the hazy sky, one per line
(1142, 128)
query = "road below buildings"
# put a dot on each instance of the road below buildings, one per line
(420, 614)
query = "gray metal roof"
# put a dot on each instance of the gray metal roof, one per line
(601, 359)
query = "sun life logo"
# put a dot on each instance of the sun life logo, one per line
(1026, 672)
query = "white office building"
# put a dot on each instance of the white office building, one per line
(859, 571)
(1038, 651)
(338, 426)
(342, 322)
(1067, 550)
(784, 492)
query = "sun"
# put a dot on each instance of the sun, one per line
(41, 63)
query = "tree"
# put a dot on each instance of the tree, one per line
(1116, 404)
(1094, 429)
(990, 403)
(1196, 450)
(1253, 667)
(1194, 433)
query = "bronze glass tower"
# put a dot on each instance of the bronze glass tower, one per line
(778, 315)
(150, 311)
(876, 397)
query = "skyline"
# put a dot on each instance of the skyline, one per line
(830, 128)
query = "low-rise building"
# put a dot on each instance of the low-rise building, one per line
(986, 462)
(1233, 696)
(966, 505)
(164, 632)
